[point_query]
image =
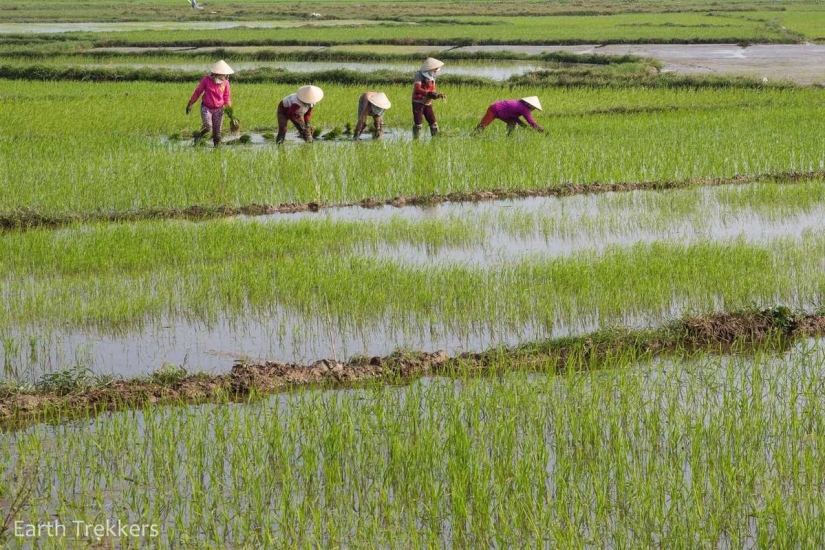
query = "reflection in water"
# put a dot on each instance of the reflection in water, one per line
(491, 70)
(551, 227)
(511, 231)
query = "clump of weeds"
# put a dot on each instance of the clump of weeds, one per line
(72, 380)
(169, 374)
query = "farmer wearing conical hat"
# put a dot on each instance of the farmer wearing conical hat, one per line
(297, 107)
(423, 95)
(371, 104)
(511, 112)
(216, 95)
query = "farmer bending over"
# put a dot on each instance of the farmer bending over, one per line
(371, 104)
(510, 112)
(216, 95)
(423, 95)
(297, 107)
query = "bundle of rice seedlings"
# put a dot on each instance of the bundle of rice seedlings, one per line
(234, 122)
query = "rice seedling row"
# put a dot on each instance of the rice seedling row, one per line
(302, 288)
(712, 450)
(115, 160)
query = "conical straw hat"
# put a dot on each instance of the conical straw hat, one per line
(221, 67)
(430, 64)
(380, 100)
(533, 101)
(310, 94)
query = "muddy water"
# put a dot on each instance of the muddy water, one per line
(799, 63)
(258, 139)
(537, 228)
(498, 70)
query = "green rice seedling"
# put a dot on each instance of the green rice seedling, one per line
(699, 448)
(654, 136)
(234, 121)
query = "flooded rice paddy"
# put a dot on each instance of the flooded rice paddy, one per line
(515, 441)
(799, 63)
(493, 70)
(496, 234)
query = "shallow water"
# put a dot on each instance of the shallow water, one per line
(565, 226)
(498, 70)
(511, 231)
(258, 140)
(799, 63)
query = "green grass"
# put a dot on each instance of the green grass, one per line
(704, 450)
(236, 270)
(112, 158)
(163, 10)
(668, 27)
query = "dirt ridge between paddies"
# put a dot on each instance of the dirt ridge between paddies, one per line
(27, 218)
(772, 328)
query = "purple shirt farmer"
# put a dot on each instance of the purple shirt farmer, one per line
(511, 112)
(511, 109)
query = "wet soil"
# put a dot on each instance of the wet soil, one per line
(715, 333)
(28, 219)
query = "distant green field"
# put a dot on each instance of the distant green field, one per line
(161, 10)
(659, 27)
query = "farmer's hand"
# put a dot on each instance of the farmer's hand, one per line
(188, 108)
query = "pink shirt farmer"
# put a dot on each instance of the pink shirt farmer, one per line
(216, 93)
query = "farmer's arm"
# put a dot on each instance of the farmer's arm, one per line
(198, 91)
(307, 116)
(363, 109)
(227, 95)
(529, 118)
(362, 117)
(428, 91)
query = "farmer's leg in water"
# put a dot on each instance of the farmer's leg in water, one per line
(206, 123)
(217, 125)
(418, 117)
(487, 119)
(429, 114)
(282, 123)
(379, 127)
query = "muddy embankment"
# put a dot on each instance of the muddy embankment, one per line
(30, 219)
(773, 328)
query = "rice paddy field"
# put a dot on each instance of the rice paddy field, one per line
(606, 335)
